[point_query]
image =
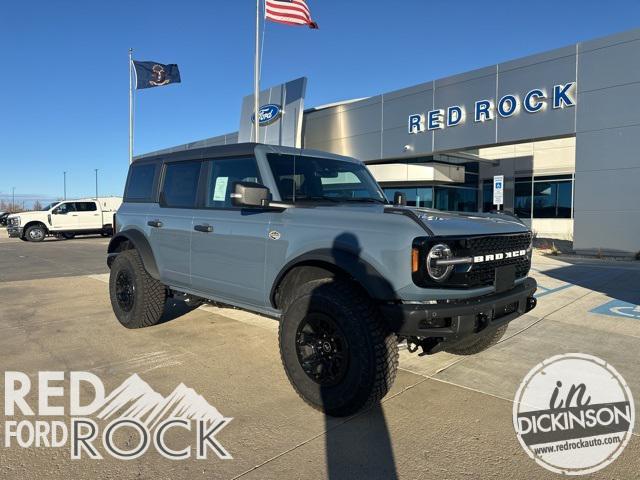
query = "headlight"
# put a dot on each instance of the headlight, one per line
(14, 221)
(439, 273)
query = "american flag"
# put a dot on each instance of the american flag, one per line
(289, 12)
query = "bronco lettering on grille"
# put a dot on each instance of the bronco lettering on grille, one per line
(499, 256)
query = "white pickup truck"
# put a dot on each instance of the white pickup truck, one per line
(66, 219)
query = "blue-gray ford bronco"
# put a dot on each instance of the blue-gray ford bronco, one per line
(308, 238)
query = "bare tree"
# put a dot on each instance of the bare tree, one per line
(37, 205)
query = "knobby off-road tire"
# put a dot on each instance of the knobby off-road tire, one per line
(35, 233)
(476, 345)
(359, 337)
(137, 299)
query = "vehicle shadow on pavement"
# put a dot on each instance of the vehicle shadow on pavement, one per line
(359, 447)
(615, 282)
(174, 308)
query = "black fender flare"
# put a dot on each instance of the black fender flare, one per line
(140, 243)
(343, 260)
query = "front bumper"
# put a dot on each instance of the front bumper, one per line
(14, 232)
(453, 322)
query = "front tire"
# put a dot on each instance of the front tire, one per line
(35, 233)
(137, 299)
(336, 351)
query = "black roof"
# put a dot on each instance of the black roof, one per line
(231, 150)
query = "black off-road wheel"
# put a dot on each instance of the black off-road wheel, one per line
(473, 345)
(137, 299)
(336, 351)
(35, 233)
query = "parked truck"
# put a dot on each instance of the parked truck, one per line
(65, 219)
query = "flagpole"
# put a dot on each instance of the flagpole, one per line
(256, 79)
(130, 107)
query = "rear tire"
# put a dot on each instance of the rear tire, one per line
(35, 233)
(137, 299)
(336, 351)
(477, 345)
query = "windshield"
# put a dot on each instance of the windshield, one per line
(314, 179)
(49, 207)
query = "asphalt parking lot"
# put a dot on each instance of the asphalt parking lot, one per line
(446, 417)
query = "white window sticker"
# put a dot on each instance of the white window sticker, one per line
(220, 190)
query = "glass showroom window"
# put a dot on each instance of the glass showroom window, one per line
(550, 197)
(487, 196)
(416, 197)
(456, 199)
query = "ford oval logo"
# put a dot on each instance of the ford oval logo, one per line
(268, 114)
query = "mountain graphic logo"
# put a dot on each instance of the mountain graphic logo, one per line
(134, 398)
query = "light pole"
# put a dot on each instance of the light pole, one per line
(96, 170)
(13, 199)
(65, 185)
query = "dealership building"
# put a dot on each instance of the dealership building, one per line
(562, 127)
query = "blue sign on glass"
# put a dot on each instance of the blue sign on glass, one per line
(618, 308)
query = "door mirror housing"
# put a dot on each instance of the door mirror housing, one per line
(251, 195)
(59, 211)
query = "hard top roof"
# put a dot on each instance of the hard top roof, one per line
(233, 150)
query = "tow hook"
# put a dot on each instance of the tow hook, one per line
(531, 303)
(428, 345)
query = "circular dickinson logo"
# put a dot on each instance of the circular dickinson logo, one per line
(573, 414)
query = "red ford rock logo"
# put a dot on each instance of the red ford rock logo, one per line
(573, 414)
(154, 420)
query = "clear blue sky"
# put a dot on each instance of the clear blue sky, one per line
(64, 83)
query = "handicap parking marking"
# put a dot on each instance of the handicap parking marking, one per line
(548, 291)
(618, 308)
(542, 290)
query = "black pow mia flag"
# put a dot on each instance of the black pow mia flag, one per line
(153, 74)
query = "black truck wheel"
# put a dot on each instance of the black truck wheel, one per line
(35, 233)
(137, 298)
(336, 351)
(475, 345)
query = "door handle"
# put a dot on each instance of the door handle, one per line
(154, 223)
(203, 228)
(74, 215)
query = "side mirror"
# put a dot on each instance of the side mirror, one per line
(250, 194)
(400, 198)
(57, 211)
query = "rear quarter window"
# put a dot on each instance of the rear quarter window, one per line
(141, 182)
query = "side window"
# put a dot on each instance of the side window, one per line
(224, 172)
(85, 206)
(180, 185)
(140, 185)
(64, 208)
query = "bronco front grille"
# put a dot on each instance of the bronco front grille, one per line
(475, 273)
(483, 274)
